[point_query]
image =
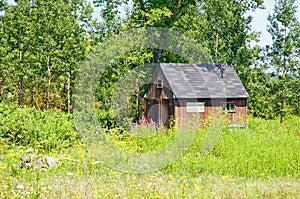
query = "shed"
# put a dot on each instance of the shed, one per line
(190, 92)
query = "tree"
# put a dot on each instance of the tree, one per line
(3, 5)
(16, 37)
(220, 26)
(44, 42)
(60, 45)
(283, 54)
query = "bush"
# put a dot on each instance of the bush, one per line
(39, 129)
(266, 148)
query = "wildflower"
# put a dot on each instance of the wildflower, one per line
(95, 162)
(69, 173)
(19, 186)
(297, 133)
(225, 177)
(137, 125)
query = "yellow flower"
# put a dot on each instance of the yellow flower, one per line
(2, 166)
(225, 177)
(198, 187)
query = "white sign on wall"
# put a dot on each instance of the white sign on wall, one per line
(195, 107)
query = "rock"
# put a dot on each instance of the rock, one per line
(38, 162)
(51, 161)
(26, 160)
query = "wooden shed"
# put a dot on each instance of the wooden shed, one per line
(190, 92)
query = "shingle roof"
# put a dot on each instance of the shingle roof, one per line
(203, 81)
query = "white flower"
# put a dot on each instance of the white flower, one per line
(69, 173)
(19, 186)
(96, 162)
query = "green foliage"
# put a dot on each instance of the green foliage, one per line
(265, 154)
(129, 142)
(105, 118)
(261, 88)
(221, 27)
(42, 48)
(3, 5)
(283, 54)
(243, 162)
(42, 45)
(114, 73)
(265, 148)
(47, 130)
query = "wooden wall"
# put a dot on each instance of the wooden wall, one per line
(236, 117)
(163, 99)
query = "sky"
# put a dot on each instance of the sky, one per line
(259, 20)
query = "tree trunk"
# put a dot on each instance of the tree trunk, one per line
(283, 79)
(157, 55)
(19, 84)
(137, 105)
(20, 92)
(69, 93)
(216, 47)
(49, 81)
(282, 105)
(1, 91)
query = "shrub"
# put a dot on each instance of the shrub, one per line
(39, 129)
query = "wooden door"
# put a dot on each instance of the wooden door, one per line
(158, 111)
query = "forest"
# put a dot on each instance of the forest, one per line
(45, 43)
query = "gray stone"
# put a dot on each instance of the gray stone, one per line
(51, 161)
(32, 161)
(38, 163)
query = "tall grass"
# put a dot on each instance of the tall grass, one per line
(261, 161)
(264, 149)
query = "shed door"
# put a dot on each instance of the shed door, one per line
(158, 111)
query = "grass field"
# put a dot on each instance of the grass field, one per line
(111, 184)
(261, 161)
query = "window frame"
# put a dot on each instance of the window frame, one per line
(195, 107)
(227, 107)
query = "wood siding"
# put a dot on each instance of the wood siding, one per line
(160, 106)
(238, 116)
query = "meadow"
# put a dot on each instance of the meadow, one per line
(260, 161)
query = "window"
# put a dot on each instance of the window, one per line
(159, 83)
(229, 107)
(195, 107)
